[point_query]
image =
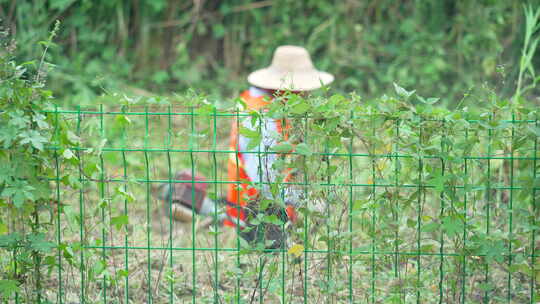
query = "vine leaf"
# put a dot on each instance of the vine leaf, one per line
(7, 135)
(39, 119)
(452, 225)
(38, 242)
(6, 173)
(430, 100)
(402, 92)
(34, 138)
(126, 195)
(68, 154)
(253, 135)
(18, 119)
(303, 149)
(283, 147)
(19, 191)
(8, 287)
(296, 250)
(119, 221)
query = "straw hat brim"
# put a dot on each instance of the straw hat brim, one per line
(272, 79)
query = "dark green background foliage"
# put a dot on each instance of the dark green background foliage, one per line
(440, 48)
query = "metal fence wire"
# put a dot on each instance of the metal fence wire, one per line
(393, 208)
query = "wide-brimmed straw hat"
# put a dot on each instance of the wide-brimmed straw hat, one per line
(291, 69)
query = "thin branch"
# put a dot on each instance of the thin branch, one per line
(250, 6)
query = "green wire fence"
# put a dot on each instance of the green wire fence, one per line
(397, 206)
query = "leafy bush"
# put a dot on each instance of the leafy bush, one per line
(26, 166)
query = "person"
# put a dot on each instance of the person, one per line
(291, 70)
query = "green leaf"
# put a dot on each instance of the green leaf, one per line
(246, 132)
(9, 287)
(123, 120)
(535, 131)
(34, 138)
(122, 273)
(493, 249)
(90, 168)
(430, 227)
(61, 4)
(156, 5)
(296, 250)
(427, 248)
(254, 142)
(38, 242)
(39, 119)
(126, 195)
(244, 243)
(264, 203)
(300, 108)
(6, 173)
(67, 251)
(241, 102)
(42, 189)
(272, 219)
(10, 240)
(452, 225)
(18, 119)
(3, 228)
(402, 92)
(8, 134)
(438, 182)
(219, 30)
(100, 146)
(68, 154)
(283, 147)
(160, 76)
(119, 221)
(303, 149)
(99, 267)
(430, 100)
(73, 138)
(19, 191)
(205, 109)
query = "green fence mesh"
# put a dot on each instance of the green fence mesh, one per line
(395, 209)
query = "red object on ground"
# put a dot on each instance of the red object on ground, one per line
(184, 191)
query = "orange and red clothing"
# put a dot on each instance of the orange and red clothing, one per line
(244, 167)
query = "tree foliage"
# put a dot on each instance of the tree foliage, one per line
(441, 48)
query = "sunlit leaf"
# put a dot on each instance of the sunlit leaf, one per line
(296, 250)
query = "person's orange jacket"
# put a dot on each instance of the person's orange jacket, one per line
(238, 190)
